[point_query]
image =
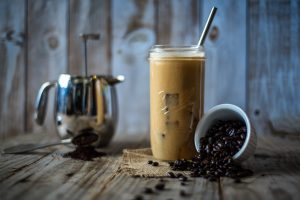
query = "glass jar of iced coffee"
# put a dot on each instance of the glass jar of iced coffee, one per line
(176, 99)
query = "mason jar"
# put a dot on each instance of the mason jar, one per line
(177, 76)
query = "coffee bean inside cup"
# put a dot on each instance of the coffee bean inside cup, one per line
(220, 143)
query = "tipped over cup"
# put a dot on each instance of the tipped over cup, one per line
(228, 112)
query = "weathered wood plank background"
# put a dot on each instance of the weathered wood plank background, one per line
(46, 52)
(12, 67)
(253, 55)
(274, 66)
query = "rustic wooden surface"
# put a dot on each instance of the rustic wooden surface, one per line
(273, 66)
(45, 174)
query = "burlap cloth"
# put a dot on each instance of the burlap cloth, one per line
(135, 163)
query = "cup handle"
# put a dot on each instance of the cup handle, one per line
(41, 102)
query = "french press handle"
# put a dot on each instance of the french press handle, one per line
(41, 102)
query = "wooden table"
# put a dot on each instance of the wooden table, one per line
(45, 174)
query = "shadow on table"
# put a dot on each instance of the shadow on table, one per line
(130, 142)
(274, 163)
(115, 147)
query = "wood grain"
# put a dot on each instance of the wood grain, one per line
(46, 174)
(178, 22)
(133, 34)
(129, 188)
(59, 177)
(225, 80)
(91, 16)
(12, 67)
(47, 53)
(273, 66)
(276, 166)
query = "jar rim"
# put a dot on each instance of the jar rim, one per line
(170, 48)
(171, 51)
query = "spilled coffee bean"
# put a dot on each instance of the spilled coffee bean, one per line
(171, 174)
(183, 193)
(160, 186)
(183, 178)
(162, 180)
(237, 180)
(138, 197)
(155, 164)
(221, 142)
(148, 190)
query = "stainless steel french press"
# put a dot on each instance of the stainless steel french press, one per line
(86, 109)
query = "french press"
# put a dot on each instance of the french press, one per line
(86, 109)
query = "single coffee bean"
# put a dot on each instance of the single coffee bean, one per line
(183, 178)
(183, 193)
(242, 136)
(160, 186)
(138, 197)
(148, 190)
(237, 180)
(183, 183)
(155, 164)
(150, 162)
(194, 174)
(171, 174)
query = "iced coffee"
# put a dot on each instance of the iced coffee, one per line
(176, 99)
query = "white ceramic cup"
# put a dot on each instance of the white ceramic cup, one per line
(228, 112)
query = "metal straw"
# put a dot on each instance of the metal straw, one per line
(207, 26)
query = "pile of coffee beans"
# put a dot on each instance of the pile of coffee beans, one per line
(221, 142)
(84, 149)
(86, 153)
(85, 138)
